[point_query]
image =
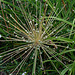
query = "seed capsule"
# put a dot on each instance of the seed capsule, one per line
(8, 21)
(26, 48)
(33, 20)
(24, 73)
(36, 24)
(43, 23)
(26, 41)
(33, 29)
(30, 46)
(56, 37)
(30, 22)
(32, 57)
(46, 5)
(37, 31)
(67, 47)
(10, 15)
(0, 36)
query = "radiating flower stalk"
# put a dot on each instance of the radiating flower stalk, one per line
(37, 34)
